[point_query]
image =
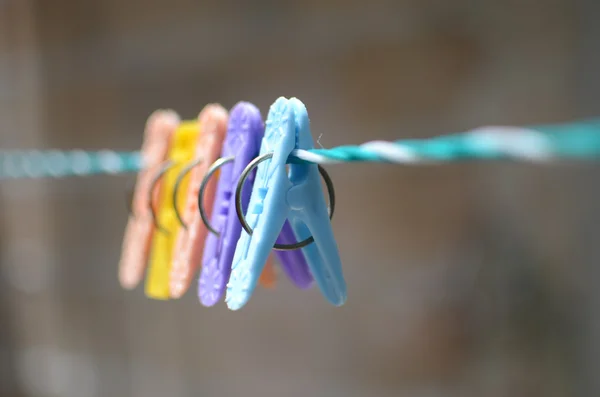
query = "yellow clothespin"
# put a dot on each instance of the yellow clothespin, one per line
(181, 152)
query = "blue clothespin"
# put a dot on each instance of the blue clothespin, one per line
(277, 197)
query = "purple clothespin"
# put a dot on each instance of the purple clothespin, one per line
(242, 144)
(292, 262)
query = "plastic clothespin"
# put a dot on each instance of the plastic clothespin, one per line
(268, 278)
(138, 234)
(190, 238)
(276, 197)
(242, 143)
(181, 152)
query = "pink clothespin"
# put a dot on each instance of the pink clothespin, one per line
(138, 233)
(190, 239)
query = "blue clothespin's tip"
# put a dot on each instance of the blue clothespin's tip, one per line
(341, 295)
(234, 302)
(336, 295)
(279, 102)
(341, 301)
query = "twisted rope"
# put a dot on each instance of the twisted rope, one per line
(580, 140)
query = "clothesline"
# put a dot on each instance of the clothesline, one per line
(577, 140)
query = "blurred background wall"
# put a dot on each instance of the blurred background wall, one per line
(464, 280)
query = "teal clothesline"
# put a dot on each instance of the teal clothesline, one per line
(577, 140)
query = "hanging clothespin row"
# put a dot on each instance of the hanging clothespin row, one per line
(181, 152)
(192, 231)
(276, 197)
(242, 143)
(159, 130)
(159, 204)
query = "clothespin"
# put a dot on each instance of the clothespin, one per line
(192, 233)
(268, 278)
(277, 197)
(138, 234)
(242, 142)
(181, 152)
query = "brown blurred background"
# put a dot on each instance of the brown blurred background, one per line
(469, 280)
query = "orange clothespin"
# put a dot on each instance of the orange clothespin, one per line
(192, 233)
(268, 278)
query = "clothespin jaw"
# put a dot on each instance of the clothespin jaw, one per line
(181, 152)
(293, 262)
(191, 236)
(159, 130)
(275, 198)
(309, 216)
